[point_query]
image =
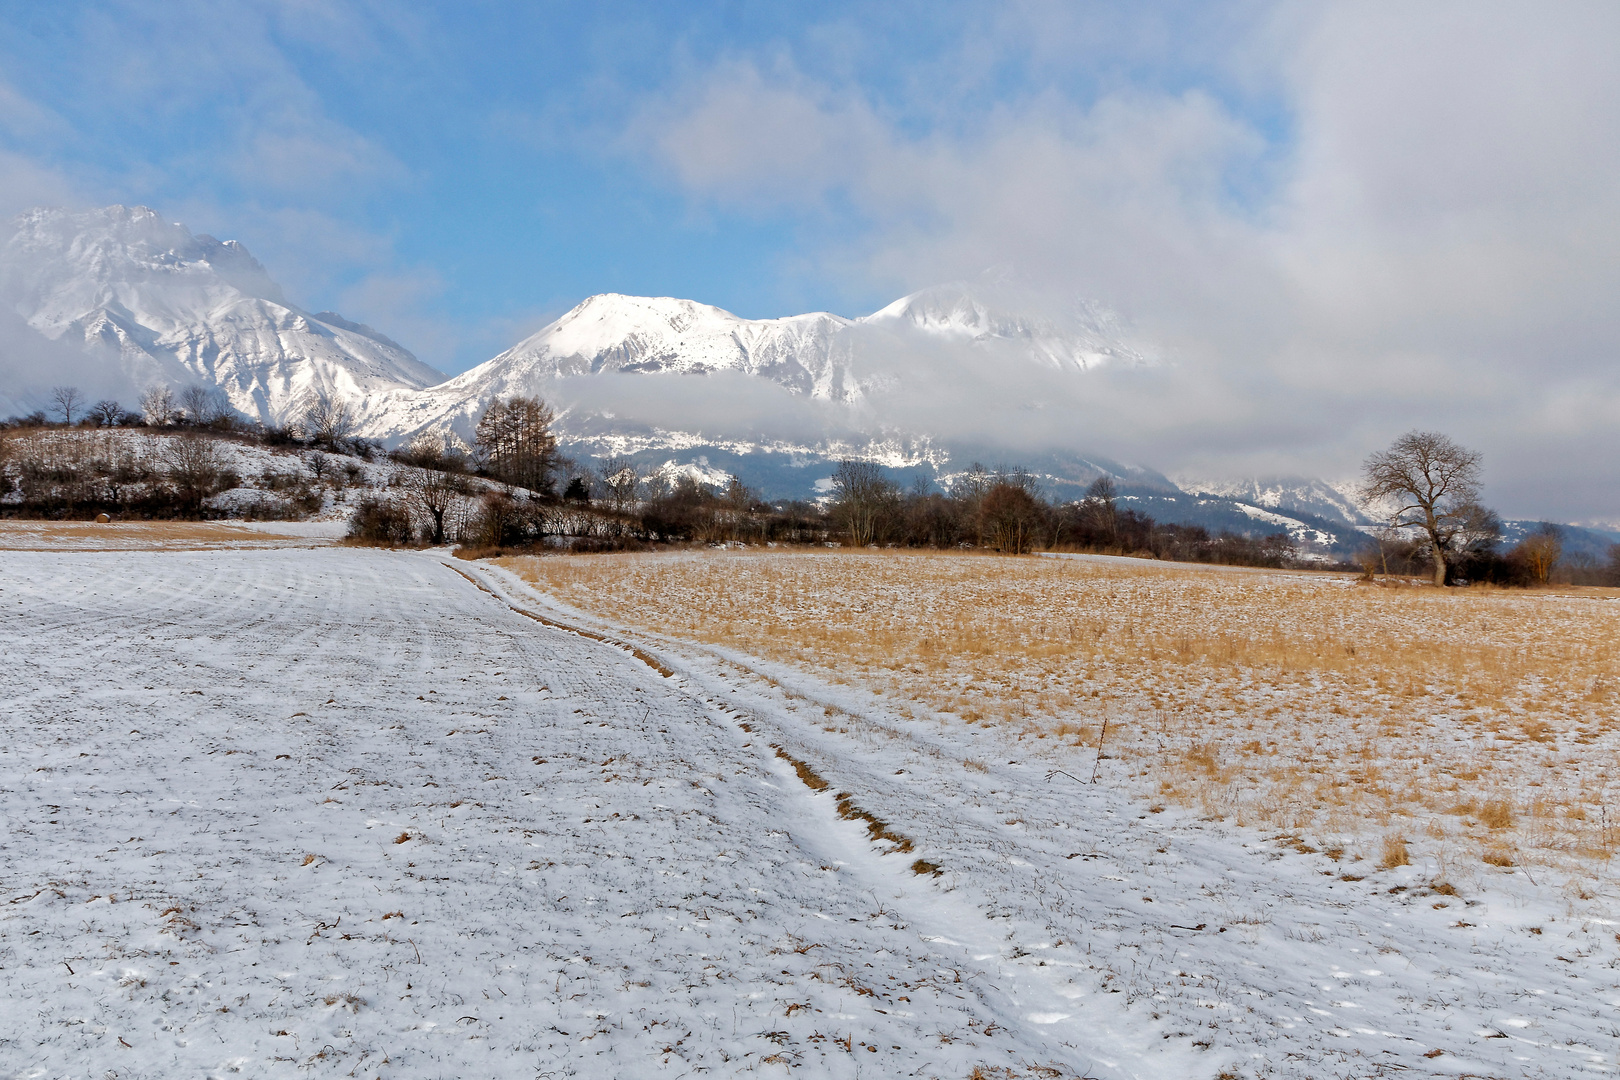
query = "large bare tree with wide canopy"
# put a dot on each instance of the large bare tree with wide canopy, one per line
(1433, 484)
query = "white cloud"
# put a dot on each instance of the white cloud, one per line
(764, 141)
(395, 303)
(312, 157)
(1433, 240)
(26, 182)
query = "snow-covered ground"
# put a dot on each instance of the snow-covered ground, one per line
(344, 812)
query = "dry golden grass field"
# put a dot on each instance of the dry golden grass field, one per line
(1367, 720)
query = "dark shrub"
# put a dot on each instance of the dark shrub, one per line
(379, 521)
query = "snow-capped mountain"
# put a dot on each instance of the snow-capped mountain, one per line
(1082, 336)
(1286, 494)
(860, 368)
(613, 333)
(120, 299)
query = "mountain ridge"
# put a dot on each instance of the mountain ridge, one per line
(151, 302)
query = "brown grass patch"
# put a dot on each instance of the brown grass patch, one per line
(1393, 853)
(876, 828)
(1496, 814)
(26, 535)
(811, 778)
(1291, 701)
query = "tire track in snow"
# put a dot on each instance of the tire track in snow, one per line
(878, 830)
(1030, 998)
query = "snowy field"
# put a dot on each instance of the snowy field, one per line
(336, 812)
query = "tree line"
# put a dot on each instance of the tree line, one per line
(319, 419)
(611, 507)
(512, 487)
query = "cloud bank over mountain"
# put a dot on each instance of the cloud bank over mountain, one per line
(1435, 242)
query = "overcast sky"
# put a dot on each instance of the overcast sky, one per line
(1340, 222)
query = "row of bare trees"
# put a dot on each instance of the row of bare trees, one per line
(1428, 484)
(1003, 510)
(160, 406)
(322, 419)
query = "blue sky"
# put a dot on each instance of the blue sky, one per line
(1337, 221)
(469, 169)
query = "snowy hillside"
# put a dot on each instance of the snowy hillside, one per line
(1285, 495)
(130, 473)
(117, 299)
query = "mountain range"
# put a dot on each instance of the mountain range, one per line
(117, 299)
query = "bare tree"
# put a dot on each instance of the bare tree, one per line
(1433, 484)
(433, 450)
(1384, 538)
(194, 465)
(1012, 516)
(618, 483)
(658, 485)
(434, 493)
(65, 401)
(968, 491)
(862, 496)
(158, 406)
(1541, 551)
(326, 420)
(106, 413)
(1099, 511)
(203, 405)
(498, 520)
(734, 509)
(317, 463)
(515, 440)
